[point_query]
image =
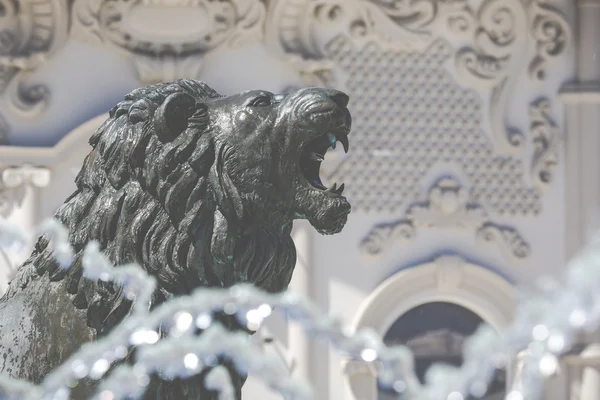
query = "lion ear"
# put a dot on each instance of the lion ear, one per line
(171, 118)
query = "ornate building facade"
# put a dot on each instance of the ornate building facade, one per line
(474, 161)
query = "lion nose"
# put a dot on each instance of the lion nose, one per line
(339, 98)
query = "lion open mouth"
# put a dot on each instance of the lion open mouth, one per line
(314, 152)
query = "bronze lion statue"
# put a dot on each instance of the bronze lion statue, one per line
(199, 189)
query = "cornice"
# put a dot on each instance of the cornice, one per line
(580, 92)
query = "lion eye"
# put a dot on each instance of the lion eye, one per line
(261, 101)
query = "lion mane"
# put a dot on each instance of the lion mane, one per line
(153, 191)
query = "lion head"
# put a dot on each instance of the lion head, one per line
(270, 146)
(200, 190)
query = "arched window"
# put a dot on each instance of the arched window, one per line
(435, 332)
(448, 286)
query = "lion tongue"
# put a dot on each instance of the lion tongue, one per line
(343, 138)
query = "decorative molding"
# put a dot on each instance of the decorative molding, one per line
(545, 136)
(580, 92)
(510, 241)
(304, 28)
(552, 36)
(168, 39)
(448, 207)
(26, 100)
(12, 185)
(13, 177)
(449, 271)
(479, 290)
(497, 35)
(30, 31)
(383, 236)
(497, 42)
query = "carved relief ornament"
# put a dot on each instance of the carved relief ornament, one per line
(12, 185)
(546, 140)
(30, 31)
(168, 38)
(448, 207)
(495, 40)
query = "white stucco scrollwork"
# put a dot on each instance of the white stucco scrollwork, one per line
(386, 235)
(552, 35)
(448, 278)
(494, 40)
(448, 207)
(30, 32)
(431, 83)
(545, 136)
(491, 58)
(302, 30)
(509, 240)
(495, 53)
(167, 39)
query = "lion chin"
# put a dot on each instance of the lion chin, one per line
(200, 190)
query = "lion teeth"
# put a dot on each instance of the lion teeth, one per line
(332, 139)
(343, 138)
(335, 189)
